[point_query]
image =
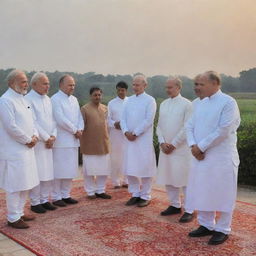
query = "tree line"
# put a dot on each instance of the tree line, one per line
(245, 82)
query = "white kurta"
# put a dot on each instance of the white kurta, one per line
(46, 126)
(67, 114)
(212, 182)
(117, 138)
(95, 165)
(138, 118)
(173, 168)
(18, 171)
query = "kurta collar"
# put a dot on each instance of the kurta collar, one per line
(95, 106)
(140, 95)
(15, 94)
(119, 99)
(63, 94)
(215, 95)
(37, 94)
(175, 98)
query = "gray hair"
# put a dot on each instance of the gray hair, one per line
(197, 76)
(36, 77)
(141, 76)
(176, 80)
(213, 76)
(12, 75)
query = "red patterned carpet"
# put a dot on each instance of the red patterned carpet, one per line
(108, 228)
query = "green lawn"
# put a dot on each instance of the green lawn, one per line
(247, 109)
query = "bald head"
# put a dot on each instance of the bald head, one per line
(139, 84)
(18, 81)
(208, 84)
(213, 76)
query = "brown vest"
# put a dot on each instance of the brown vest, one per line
(95, 138)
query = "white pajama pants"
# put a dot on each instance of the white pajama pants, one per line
(118, 180)
(94, 184)
(61, 189)
(15, 202)
(40, 194)
(174, 196)
(208, 220)
(140, 187)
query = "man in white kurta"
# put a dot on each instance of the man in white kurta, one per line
(175, 155)
(117, 139)
(211, 134)
(18, 171)
(70, 125)
(139, 156)
(46, 126)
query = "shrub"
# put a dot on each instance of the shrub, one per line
(247, 153)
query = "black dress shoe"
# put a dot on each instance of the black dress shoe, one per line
(37, 208)
(59, 203)
(201, 231)
(49, 206)
(103, 196)
(143, 202)
(170, 211)
(132, 201)
(186, 217)
(218, 238)
(69, 200)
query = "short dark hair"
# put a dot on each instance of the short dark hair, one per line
(122, 84)
(93, 89)
(63, 78)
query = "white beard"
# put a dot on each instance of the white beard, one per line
(21, 91)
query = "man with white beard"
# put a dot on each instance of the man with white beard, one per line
(70, 126)
(18, 171)
(211, 134)
(139, 156)
(175, 156)
(117, 139)
(46, 126)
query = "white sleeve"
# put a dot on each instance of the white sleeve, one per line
(38, 130)
(80, 119)
(123, 122)
(7, 116)
(229, 119)
(189, 127)
(149, 119)
(181, 136)
(158, 129)
(61, 119)
(111, 122)
(54, 128)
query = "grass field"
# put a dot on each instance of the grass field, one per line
(247, 109)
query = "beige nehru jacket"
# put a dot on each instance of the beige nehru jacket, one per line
(95, 138)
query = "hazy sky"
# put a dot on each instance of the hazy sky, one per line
(128, 36)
